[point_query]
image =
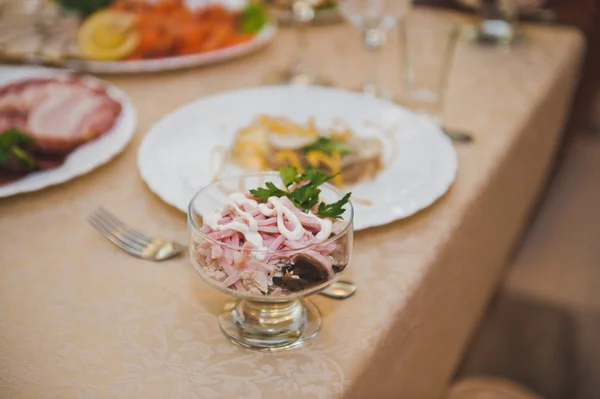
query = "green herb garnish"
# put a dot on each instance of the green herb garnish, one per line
(23, 158)
(85, 7)
(13, 151)
(263, 194)
(328, 146)
(14, 137)
(307, 195)
(253, 18)
(289, 175)
(333, 210)
(316, 176)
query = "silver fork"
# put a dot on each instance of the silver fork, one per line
(151, 248)
(132, 241)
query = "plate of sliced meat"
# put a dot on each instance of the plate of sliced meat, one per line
(55, 126)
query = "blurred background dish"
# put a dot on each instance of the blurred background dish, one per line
(56, 126)
(119, 36)
(269, 143)
(183, 151)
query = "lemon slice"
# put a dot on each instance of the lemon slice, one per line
(108, 35)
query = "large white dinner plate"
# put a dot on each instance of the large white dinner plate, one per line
(261, 39)
(85, 158)
(174, 158)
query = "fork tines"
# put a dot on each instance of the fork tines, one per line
(118, 233)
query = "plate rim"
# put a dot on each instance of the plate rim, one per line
(172, 201)
(127, 121)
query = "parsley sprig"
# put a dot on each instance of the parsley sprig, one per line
(306, 195)
(331, 210)
(14, 154)
(328, 146)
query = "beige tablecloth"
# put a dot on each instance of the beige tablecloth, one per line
(80, 319)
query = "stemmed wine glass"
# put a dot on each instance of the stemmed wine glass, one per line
(374, 18)
(299, 72)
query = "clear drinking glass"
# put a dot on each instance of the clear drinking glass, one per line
(428, 43)
(497, 22)
(300, 72)
(374, 18)
(281, 318)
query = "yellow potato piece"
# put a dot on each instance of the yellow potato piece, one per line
(108, 35)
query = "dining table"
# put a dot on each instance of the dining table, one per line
(79, 318)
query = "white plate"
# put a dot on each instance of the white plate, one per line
(173, 63)
(88, 156)
(174, 157)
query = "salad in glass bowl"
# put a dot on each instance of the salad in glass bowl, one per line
(270, 239)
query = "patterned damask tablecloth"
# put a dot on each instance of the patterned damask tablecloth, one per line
(80, 319)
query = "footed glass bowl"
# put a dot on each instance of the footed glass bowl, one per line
(269, 311)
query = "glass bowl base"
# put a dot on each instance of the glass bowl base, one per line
(232, 325)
